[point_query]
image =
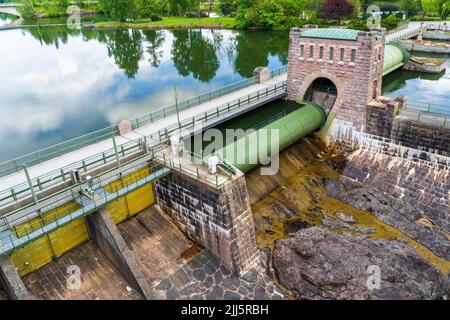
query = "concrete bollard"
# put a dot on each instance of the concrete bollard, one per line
(262, 74)
(125, 127)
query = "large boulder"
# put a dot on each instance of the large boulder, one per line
(319, 264)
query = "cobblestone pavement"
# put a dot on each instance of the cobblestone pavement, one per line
(156, 242)
(99, 279)
(204, 277)
(3, 295)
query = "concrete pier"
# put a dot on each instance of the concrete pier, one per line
(11, 281)
(105, 234)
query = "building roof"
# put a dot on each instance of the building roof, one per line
(331, 33)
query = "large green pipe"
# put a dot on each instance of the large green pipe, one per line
(395, 56)
(291, 128)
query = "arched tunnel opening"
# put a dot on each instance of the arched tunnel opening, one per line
(322, 92)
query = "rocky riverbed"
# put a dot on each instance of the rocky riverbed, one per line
(320, 231)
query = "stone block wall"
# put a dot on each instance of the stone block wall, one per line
(382, 121)
(416, 183)
(218, 218)
(423, 136)
(356, 82)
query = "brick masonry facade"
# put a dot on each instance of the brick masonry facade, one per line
(218, 218)
(357, 82)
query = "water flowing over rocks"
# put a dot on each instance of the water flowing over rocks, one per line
(319, 264)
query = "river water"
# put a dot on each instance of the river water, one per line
(56, 83)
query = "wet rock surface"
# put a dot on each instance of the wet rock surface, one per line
(394, 212)
(204, 277)
(319, 264)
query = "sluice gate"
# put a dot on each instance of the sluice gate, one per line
(47, 247)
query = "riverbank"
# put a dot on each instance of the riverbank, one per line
(172, 23)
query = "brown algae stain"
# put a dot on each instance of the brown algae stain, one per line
(382, 230)
(298, 193)
(189, 252)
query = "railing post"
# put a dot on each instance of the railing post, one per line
(30, 184)
(115, 151)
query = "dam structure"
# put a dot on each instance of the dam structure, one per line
(54, 200)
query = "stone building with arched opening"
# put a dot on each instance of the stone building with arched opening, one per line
(339, 69)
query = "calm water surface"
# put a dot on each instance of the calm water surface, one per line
(56, 84)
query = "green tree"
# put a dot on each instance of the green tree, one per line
(126, 49)
(184, 8)
(410, 7)
(440, 7)
(268, 14)
(118, 9)
(27, 9)
(150, 8)
(155, 41)
(226, 7)
(193, 54)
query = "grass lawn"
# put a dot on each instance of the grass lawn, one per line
(173, 23)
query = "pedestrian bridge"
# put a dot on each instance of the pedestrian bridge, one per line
(10, 8)
(48, 192)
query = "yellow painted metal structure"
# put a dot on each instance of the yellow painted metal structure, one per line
(135, 201)
(40, 252)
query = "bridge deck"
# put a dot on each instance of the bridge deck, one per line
(67, 159)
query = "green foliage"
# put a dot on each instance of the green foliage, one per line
(358, 24)
(118, 9)
(410, 7)
(391, 22)
(150, 8)
(184, 8)
(27, 9)
(226, 7)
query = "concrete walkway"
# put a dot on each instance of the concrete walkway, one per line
(67, 159)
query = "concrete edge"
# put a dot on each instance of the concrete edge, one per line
(11, 281)
(108, 238)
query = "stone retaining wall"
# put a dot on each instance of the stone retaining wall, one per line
(218, 218)
(382, 121)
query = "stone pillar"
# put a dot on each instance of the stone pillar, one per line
(106, 235)
(262, 74)
(218, 218)
(11, 281)
(125, 126)
(402, 102)
(380, 116)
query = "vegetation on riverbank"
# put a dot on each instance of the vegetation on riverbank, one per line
(242, 14)
(172, 23)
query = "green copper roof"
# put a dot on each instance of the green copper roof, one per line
(331, 33)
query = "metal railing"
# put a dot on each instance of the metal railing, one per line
(214, 113)
(56, 150)
(393, 37)
(61, 175)
(15, 165)
(35, 225)
(192, 102)
(429, 107)
(193, 167)
(279, 71)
